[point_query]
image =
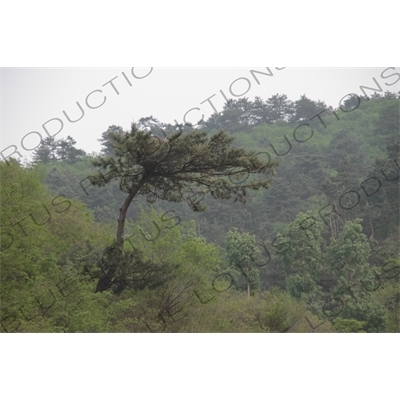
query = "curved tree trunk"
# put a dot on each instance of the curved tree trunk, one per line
(122, 214)
(106, 281)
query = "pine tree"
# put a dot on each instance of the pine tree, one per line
(66, 150)
(52, 150)
(46, 152)
(186, 167)
(105, 139)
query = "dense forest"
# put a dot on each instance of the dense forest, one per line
(311, 246)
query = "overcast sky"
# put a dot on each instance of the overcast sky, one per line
(32, 97)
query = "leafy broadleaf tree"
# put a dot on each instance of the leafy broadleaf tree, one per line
(41, 290)
(356, 279)
(242, 254)
(183, 167)
(301, 253)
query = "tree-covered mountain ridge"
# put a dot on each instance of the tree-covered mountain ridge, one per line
(319, 248)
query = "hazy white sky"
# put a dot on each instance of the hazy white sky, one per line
(32, 97)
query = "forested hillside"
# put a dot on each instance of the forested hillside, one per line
(314, 247)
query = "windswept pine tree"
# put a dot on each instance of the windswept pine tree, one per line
(185, 167)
